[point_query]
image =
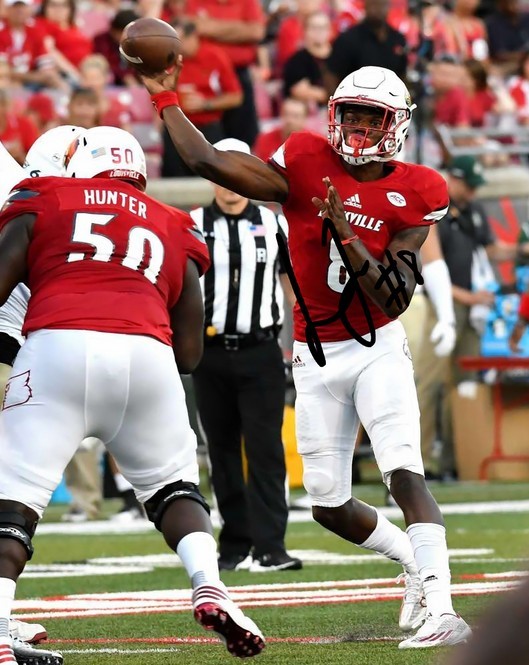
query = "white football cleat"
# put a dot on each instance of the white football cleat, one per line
(31, 633)
(441, 631)
(413, 607)
(26, 654)
(214, 610)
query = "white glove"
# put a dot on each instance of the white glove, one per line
(444, 338)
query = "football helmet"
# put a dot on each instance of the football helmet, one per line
(376, 88)
(46, 155)
(106, 152)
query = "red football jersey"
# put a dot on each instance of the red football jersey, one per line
(409, 196)
(103, 256)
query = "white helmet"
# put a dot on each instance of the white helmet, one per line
(374, 87)
(46, 155)
(106, 152)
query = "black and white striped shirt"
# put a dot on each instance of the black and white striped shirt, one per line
(241, 290)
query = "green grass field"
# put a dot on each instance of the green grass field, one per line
(333, 630)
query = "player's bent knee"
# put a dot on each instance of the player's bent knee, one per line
(18, 522)
(317, 482)
(156, 506)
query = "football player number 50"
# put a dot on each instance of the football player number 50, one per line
(336, 274)
(83, 232)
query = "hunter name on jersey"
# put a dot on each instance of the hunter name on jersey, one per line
(103, 197)
(93, 265)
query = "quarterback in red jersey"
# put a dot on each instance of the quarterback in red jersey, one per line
(357, 220)
(115, 301)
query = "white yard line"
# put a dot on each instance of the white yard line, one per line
(295, 516)
(266, 595)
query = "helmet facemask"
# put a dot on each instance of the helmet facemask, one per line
(361, 144)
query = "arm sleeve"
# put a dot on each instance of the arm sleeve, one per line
(439, 288)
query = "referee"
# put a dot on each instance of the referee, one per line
(240, 383)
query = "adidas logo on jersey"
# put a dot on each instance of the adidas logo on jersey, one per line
(353, 201)
(297, 362)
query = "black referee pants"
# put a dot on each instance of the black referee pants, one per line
(242, 394)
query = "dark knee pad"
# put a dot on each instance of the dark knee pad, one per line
(156, 506)
(16, 525)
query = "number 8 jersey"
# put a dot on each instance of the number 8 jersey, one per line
(409, 195)
(103, 256)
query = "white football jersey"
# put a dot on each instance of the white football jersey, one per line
(13, 312)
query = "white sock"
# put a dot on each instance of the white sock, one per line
(431, 553)
(389, 540)
(122, 484)
(198, 552)
(7, 595)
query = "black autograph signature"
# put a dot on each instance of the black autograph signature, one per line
(389, 275)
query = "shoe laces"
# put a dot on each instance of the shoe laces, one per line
(413, 587)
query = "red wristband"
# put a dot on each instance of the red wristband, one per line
(161, 100)
(348, 241)
(524, 307)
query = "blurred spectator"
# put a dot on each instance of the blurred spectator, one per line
(508, 34)
(423, 28)
(465, 33)
(41, 110)
(371, 42)
(83, 479)
(293, 117)
(347, 13)
(238, 26)
(107, 44)
(17, 133)
(173, 9)
(290, 33)
(484, 100)
(94, 17)
(95, 74)
(468, 245)
(303, 72)
(23, 45)
(449, 103)
(450, 100)
(6, 80)
(207, 87)
(83, 109)
(519, 89)
(64, 41)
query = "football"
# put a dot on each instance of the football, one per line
(150, 45)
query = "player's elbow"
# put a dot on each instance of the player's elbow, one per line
(188, 354)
